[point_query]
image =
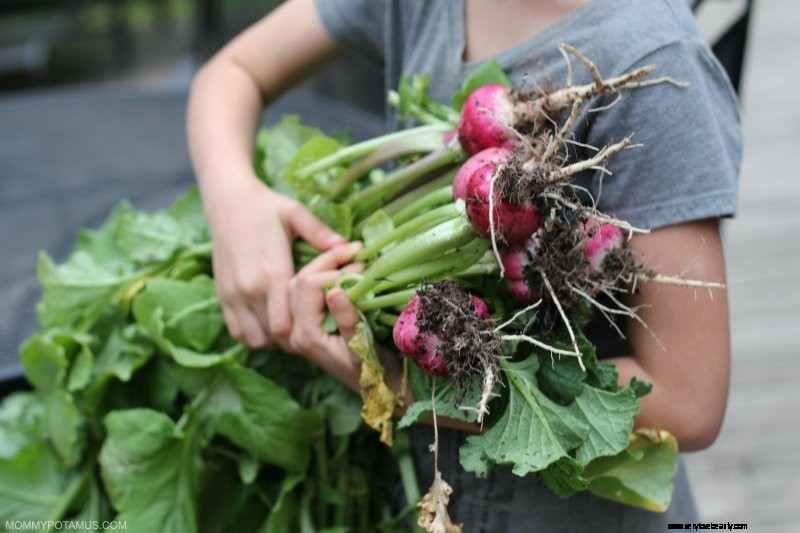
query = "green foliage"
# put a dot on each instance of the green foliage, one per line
(147, 411)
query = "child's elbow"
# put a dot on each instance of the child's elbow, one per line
(699, 431)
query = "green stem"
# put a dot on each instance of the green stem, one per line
(387, 319)
(480, 269)
(323, 480)
(354, 151)
(66, 500)
(423, 142)
(412, 227)
(367, 200)
(306, 521)
(408, 474)
(391, 299)
(343, 488)
(399, 203)
(437, 197)
(422, 114)
(203, 249)
(449, 264)
(432, 243)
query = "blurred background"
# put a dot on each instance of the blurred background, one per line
(92, 97)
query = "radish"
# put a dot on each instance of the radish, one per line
(516, 261)
(420, 346)
(487, 119)
(601, 239)
(492, 155)
(444, 330)
(513, 222)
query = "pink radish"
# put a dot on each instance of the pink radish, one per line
(513, 222)
(490, 155)
(426, 347)
(601, 239)
(487, 119)
(516, 260)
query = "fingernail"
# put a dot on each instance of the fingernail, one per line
(336, 239)
(356, 246)
(338, 299)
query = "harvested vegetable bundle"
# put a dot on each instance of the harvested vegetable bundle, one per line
(134, 340)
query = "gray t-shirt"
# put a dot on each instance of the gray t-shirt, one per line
(688, 165)
(686, 169)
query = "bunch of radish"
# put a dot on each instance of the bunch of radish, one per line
(471, 226)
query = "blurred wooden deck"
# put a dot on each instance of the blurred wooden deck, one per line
(752, 473)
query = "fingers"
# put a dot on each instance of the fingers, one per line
(333, 258)
(307, 290)
(304, 224)
(344, 312)
(308, 308)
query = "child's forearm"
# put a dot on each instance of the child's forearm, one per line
(687, 412)
(222, 117)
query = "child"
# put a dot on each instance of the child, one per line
(680, 182)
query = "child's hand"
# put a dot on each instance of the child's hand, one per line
(253, 232)
(308, 303)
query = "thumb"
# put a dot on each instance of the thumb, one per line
(305, 225)
(343, 311)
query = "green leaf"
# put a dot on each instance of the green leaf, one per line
(101, 244)
(150, 237)
(560, 377)
(283, 515)
(276, 147)
(20, 418)
(45, 359)
(153, 326)
(376, 226)
(412, 100)
(34, 485)
(609, 417)
(446, 399)
(191, 314)
(641, 475)
(340, 406)
(124, 352)
(532, 433)
(188, 212)
(564, 477)
(338, 217)
(640, 388)
(260, 416)
(81, 289)
(488, 73)
(149, 471)
(310, 152)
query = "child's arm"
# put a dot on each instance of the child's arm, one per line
(690, 374)
(252, 227)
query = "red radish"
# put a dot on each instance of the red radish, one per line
(516, 260)
(521, 291)
(418, 345)
(487, 119)
(426, 347)
(601, 239)
(513, 222)
(490, 155)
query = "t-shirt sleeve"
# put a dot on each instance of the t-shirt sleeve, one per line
(356, 25)
(687, 165)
